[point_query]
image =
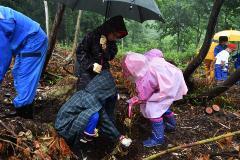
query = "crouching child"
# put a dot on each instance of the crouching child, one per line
(82, 114)
(158, 84)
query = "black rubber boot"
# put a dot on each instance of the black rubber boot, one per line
(25, 112)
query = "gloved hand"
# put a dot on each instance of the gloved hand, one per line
(126, 142)
(133, 101)
(97, 68)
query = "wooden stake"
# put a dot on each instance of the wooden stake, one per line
(46, 16)
(216, 108)
(209, 110)
(213, 139)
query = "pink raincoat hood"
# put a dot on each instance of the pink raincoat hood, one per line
(154, 53)
(135, 64)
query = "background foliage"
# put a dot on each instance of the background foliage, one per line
(179, 37)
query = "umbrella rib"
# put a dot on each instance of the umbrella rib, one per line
(140, 14)
(75, 4)
(107, 9)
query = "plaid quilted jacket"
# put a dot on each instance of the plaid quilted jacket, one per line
(74, 115)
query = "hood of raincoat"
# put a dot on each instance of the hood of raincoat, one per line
(153, 53)
(114, 24)
(135, 64)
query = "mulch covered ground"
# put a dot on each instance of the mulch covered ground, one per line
(25, 139)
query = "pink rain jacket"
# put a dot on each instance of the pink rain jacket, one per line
(158, 82)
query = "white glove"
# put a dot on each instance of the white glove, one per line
(126, 142)
(97, 68)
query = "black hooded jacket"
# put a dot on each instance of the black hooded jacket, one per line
(90, 51)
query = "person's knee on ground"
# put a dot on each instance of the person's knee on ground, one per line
(169, 121)
(157, 137)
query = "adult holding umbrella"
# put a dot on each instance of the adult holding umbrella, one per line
(98, 48)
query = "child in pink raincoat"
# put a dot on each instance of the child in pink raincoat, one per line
(158, 84)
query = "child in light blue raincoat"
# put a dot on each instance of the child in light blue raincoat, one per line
(22, 38)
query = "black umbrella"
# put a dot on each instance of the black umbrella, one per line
(138, 10)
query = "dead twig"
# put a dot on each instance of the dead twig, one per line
(12, 143)
(8, 129)
(180, 147)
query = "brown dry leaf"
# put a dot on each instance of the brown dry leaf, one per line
(13, 158)
(19, 141)
(36, 144)
(41, 155)
(220, 144)
(229, 141)
(26, 153)
(204, 157)
(53, 146)
(128, 122)
(1, 147)
(29, 135)
(65, 150)
(225, 143)
(230, 158)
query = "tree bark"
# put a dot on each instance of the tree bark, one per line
(47, 17)
(53, 34)
(195, 63)
(75, 42)
(216, 91)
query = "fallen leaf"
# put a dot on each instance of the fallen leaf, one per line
(27, 152)
(204, 157)
(1, 147)
(13, 158)
(65, 150)
(128, 122)
(36, 144)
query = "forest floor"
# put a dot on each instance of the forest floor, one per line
(32, 139)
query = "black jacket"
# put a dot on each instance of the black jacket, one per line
(90, 51)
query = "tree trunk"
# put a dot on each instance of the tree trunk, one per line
(47, 17)
(75, 43)
(53, 34)
(233, 79)
(195, 63)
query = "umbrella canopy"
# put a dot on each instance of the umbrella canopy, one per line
(138, 10)
(232, 35)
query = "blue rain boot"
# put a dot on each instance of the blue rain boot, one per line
(157, 137)
(169, 122)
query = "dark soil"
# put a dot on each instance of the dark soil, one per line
(193, 124)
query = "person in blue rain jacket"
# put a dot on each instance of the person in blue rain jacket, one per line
(223, 41)
(22, 38)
